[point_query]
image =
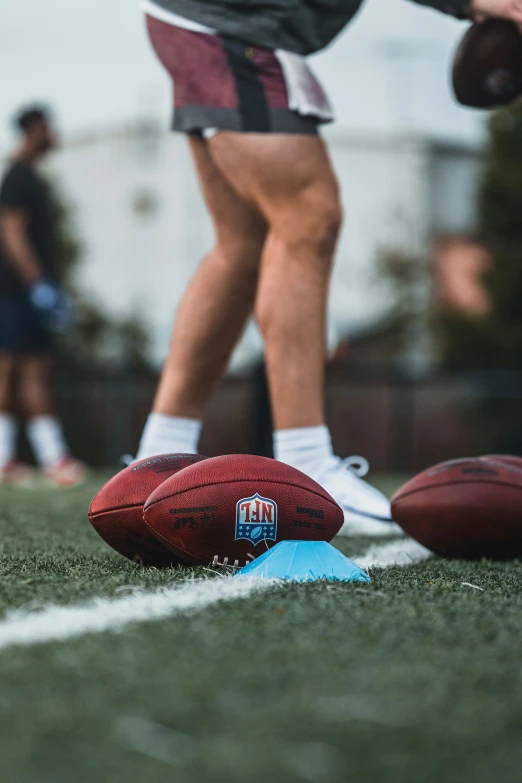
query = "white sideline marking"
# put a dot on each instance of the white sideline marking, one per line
(406, 551)
(102, 614)
(56, 623)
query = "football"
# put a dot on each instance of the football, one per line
(231, 509)
(517, 461)
(487, 70)
(116, 511)
(467, 508)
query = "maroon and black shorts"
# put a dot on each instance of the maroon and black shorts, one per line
(222, 84)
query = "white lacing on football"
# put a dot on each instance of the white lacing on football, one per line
(224, 564)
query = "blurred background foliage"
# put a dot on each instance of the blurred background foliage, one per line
(485, 348)
(462, 341)
(494, 341)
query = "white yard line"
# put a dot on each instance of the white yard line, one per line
(102, 614)
(56, 623)
(405, 551)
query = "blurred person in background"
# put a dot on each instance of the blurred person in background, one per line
(252, 108)
(32, 307)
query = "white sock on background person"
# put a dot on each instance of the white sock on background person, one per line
(8, 432)
(169, 435)
(45, 434)
(308, 449)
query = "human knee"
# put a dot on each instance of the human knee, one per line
(320, 217)
(314, 221)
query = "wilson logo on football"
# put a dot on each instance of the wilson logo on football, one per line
(256, 519)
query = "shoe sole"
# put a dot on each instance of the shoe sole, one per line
(362, 525)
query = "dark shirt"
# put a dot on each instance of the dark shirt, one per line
(301, 26)
(22, 188)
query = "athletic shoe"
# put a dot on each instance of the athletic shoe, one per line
(17, 474)
(367, 511)
(68, 472)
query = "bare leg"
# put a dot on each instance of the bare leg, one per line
(291, 181)
(218, 300)
(10, 471)
(34, 379)
(43, 428)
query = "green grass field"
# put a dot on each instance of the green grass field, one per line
(415, 677)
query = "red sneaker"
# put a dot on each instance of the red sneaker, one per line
(68, 472)
(16, 474)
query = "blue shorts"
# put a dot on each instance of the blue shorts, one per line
(21, 328)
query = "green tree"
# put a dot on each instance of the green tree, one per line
(488, 346)
(492, 344)
(500, 225)
(494, 341)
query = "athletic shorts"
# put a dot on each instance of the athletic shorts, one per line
(21, 329)
(222, 84)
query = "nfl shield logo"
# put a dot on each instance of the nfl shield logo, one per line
(256, 519)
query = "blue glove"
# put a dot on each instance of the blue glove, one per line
(53, 305)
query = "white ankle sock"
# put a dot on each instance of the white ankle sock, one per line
(306, 448)
(47, 440)
(169, 435)
(8, 430)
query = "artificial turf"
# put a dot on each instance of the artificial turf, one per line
(415, 677)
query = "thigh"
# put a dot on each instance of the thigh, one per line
(34, 372)
(235, 219)
(277, 173)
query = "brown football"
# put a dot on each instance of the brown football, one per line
(487, 70)
(233, 508)
(511, 458)
(116, 511)
(467, 508)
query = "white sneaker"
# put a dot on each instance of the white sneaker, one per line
(367, 512)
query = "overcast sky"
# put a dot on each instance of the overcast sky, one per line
(92, 61)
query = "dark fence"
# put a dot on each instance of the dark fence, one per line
(398, 423)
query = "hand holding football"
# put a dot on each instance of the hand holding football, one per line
(487, 70)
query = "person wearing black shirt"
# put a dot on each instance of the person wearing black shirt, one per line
(32, 307)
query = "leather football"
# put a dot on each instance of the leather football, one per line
(116, 511)
(231, 509)
(487, 70)
(466, 508)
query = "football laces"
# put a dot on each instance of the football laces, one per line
(225, 564)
